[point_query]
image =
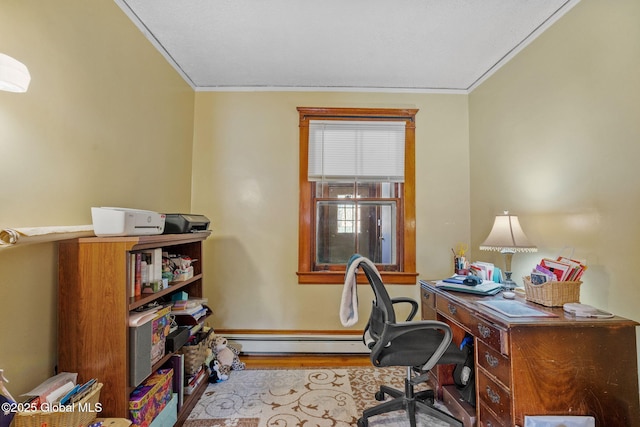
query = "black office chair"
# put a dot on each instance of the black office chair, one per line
(418, 345)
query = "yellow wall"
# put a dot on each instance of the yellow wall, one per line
(555, 138)
(245, 179)
(106, 122)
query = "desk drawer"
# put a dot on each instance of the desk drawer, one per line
(479, 328)
(456, 312)
(494, 396)
(494, 363)
(492, 335)
(487, 419)
(428, 304)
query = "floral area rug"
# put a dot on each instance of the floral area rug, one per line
(299, 398)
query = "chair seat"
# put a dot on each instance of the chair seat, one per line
(415, 348)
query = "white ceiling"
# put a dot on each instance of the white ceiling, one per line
(362, 45)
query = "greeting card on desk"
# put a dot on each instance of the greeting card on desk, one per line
(485, 288)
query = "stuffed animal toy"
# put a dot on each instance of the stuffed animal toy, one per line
(226, 356)
(216, 376)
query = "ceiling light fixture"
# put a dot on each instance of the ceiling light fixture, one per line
(14, 75)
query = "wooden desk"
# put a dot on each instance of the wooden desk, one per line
(542, 365)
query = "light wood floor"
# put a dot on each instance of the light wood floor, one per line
(284, 361)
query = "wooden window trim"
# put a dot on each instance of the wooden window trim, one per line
(407, 274)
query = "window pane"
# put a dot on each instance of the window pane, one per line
(377, 241)
(334, 190)
(378, 189)
(334, 244)
(348, 226)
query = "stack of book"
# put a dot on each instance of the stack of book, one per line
(561, 269)
(190, 312)
(193, 382)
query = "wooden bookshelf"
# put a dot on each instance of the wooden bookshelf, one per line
(94, 301)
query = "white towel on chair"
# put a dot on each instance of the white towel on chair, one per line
(349, 302)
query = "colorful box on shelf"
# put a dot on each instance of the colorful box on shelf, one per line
(169, 415)
(150, 397)
(160, 328)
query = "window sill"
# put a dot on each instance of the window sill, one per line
(337, 277)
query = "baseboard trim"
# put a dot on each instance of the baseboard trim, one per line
(271, 342)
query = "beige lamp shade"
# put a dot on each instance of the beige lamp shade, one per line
(14, 75)
(507, 235)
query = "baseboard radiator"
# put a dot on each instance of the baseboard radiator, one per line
(248, 342)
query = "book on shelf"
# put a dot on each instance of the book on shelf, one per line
(188, 303)
(176, 362)
(189, 317)
(197, 311)
(195, 328)
(179, 305)
(193, 382)
(145, 268)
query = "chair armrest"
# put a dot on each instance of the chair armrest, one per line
(414, 305)
(393, 331)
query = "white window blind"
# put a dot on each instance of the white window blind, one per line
(361, 150)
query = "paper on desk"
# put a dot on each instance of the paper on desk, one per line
(14, 236)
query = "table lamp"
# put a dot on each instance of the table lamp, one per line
(507, 237)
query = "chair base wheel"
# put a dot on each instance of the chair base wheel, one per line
(362, 422)
(379, 396)
(426, 396)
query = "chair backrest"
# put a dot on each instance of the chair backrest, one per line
(382, 311)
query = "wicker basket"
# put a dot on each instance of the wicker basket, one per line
(552, 294)
(195, 355)
(83, 414)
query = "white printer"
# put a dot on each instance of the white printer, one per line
(109, 221)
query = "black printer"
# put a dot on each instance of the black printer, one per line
(185, 223)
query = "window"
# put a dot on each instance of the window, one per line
(357, 192)
(348, 221)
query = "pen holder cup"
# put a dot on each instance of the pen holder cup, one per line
(459, 266)
(552, 294)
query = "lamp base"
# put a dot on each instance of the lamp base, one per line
(507, 283)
